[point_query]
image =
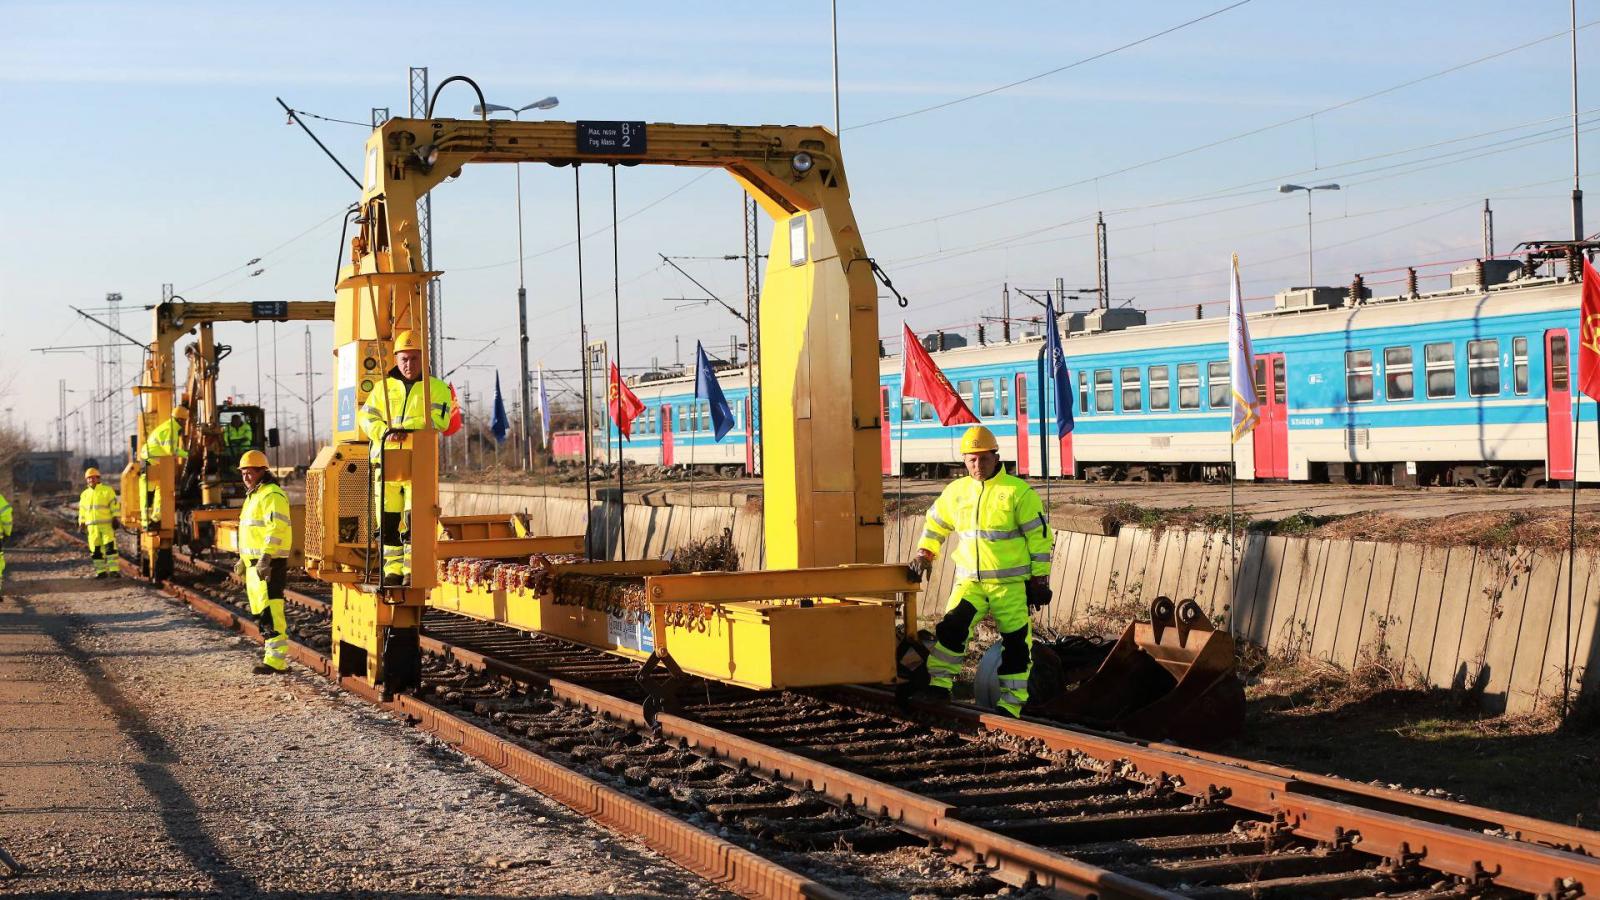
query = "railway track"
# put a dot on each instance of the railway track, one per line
(844, 793)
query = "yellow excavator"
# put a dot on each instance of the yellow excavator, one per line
(175, 498)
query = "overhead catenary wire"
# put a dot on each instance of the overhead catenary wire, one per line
(1261, 129)
(1056, 71)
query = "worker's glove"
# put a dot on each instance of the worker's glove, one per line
(264, 567)
(919, 565)
(1038, 593)
(238, 568)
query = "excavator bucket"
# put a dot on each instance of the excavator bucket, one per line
(1169, 678)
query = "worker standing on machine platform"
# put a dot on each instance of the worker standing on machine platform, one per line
(237, 436)
(165, 440)
(1002, 567)
(393, 409)
(265, 533)
(96, 507)
(5, 535)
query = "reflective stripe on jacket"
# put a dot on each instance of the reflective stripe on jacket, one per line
(397, 404)
(166, 440)
(264, 523)
(1004, 536)
(97, 505)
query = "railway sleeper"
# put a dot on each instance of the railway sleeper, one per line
(1295, 887)
(1068, 831)
(1099, 804)
(1250, 868)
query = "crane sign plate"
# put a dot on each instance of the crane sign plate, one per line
(611, 138)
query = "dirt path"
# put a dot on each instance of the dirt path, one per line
(139, 757)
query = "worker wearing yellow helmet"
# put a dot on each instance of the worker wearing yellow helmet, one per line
(97, 506)
(404, 402)
(1002, 568)
(164, 441)
(264, 540)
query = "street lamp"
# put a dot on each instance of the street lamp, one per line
(1311, 280)
(522, 290)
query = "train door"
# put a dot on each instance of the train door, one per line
(1272, 430)
(884, 429)
(1557, 406)
(1024, 438)
(666, 435)
(749, 437)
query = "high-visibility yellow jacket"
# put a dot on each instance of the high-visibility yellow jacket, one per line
(96, 505)
(397, 403)
(241, 435)
(264, 523)
(165, 440)
(1001, 523)
(5, 517)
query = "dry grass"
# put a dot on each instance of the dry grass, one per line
(1544, 529)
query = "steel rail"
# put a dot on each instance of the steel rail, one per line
(717, 860)
(1540, 857)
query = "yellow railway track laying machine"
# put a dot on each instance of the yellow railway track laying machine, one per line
(197, 487)
(823, 514)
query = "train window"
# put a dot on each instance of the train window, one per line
(1189, 386)
(1005, 396)
(964, 389)
(1104, 398)
(985, 396)
(1398, 382)
(1261, 380)
(908, 409)
(1083, 393)
(926, 412)
(1131, 392)
(1022, 399)
(1280, 381)
(1483, 368)
(1558, 362)
(683, 419)
(1358, 375)
(1519, 364)
(1440, 360)
(1160, 392)
(1221, 393)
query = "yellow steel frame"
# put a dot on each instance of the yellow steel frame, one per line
(819, 318)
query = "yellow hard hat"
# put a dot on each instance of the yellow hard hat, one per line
(253, 459)
(180, 412)
(978, 439)
(406, 340)
(91, 472)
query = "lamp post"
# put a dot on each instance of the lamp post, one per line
(1311, 280)
(522, 290)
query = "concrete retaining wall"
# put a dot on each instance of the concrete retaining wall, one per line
(1492, 619)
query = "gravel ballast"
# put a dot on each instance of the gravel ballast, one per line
(141, 757)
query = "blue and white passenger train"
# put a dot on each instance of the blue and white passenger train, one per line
(1470, 386)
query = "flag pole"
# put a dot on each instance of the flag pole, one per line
(1044, 415)
(616, 354)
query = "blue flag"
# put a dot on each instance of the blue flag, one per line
(706, 388)
(1058, 370)
(499, 425)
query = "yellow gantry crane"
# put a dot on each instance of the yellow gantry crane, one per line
(823, 502)
(193, 488)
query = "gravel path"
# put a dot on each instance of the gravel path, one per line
(139, 757)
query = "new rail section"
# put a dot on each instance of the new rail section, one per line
(811, 786)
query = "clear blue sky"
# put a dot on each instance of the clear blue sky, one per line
(145, 147)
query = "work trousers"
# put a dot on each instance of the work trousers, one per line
(969, 602)
(102, 549)
(266, 604)
(394, 530)
(149, 502)
(2, 568)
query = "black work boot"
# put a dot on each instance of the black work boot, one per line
(931, 694)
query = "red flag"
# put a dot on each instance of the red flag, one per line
(1589, 333)
(623, 404)
(921, 378)
(454, 424)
